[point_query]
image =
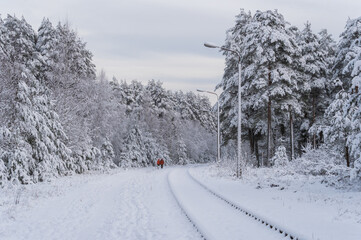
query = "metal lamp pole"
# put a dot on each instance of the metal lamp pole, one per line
(239, 140)
(218, 132)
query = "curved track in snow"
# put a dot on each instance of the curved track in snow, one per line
(262, 220)
(215, 217)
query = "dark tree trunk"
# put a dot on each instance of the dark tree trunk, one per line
(256, 152)
(291, 135)
(269, 121)
(313, 120)
(347, 156)
(251, 139)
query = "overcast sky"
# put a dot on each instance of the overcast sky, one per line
(163, 39)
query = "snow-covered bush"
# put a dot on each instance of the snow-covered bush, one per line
(280, 158)
(319, 162)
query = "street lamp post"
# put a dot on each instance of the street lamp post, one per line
(239, 137)
(218, 132)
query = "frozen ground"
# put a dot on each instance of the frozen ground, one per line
(215, 218)
(134, 204)
(300, 204)
(139, 204)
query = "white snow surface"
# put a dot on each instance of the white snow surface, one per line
(304, 207)
(125, 204)
(213, 217)
(142, 204)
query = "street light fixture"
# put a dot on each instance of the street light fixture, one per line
(218, 132)
(239, 137)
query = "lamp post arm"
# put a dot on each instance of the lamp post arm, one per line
(233, 51)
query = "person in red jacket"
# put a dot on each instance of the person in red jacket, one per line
(161, 163)
(158, 162)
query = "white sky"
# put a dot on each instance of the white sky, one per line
(163, 39)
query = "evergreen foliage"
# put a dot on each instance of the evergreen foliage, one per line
(58, 118)
(294, 83)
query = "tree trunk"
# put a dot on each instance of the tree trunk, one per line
(256, 152)
(291, 135)
(313, 120)
(269, 120)
(251, 139)
(347, 156)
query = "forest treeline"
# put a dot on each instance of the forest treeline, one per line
(58, 118)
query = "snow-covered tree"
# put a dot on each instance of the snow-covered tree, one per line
(346, 51)
(280, 158)
(342, 114)
(182, 153)
(133, 152)
(36, 133)
(270, 77)
(107, 154)
(315, 73)
(353, 107)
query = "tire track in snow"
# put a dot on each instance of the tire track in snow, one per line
(248, 213)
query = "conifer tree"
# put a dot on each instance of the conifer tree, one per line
(270, 76)
(315, 74)
(340, 113)
(280, 158)
(182, 153)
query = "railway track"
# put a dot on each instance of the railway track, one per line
(269, 227)
(202, 235)
(249, 213)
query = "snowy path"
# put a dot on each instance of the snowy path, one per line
(213, 217)
(134, 204)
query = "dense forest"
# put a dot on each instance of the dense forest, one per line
(58, 118)
(300, 100)
(300, 91)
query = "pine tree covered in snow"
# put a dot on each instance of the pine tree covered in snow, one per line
(353, 106)
(133, 152)
(280, 158)
(107, 154)
(36, 133)
(182, 153)
(270, 74)
(346, 51)
(315, 93)
(342, 112)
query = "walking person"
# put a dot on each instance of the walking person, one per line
(161, 163)
(158, 162)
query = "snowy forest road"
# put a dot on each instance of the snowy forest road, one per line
(133, 204)
(126, 204)
(212, 216)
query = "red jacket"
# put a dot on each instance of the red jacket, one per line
(158, 162)
(161, 162)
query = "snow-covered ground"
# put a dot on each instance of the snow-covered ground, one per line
(302, 205)
(133, 204)
(213, 217)
(145, 204)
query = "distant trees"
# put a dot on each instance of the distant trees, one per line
(159, 121)
(57, 117)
